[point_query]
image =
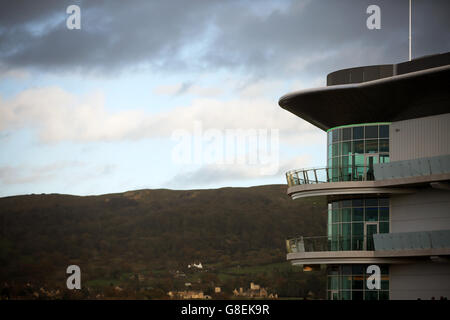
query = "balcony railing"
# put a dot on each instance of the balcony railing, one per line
(438, 239)
(330, 243)
(325, 174)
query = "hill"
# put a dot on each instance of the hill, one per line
(151, 234)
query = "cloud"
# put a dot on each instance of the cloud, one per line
(263, 38)
(27, 175)
(18, 73)
(58, 115)
(55, 171)
(216, 174)
(188, 88)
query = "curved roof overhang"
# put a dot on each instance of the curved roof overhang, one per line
(402, 97)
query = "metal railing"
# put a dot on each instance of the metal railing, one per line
(330, 243)
(437, 239)
(326, 174)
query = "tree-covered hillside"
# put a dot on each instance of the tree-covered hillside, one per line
(149, 232)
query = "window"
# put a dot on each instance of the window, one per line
(371, 214)
(371, 132)
(346, 215)
(335, 215)
(371, 295)
(348, 147)
(357, 214)
(358, 133)
(358, 282)
(335, 149)
(347, 220)
(358, 146)
(346, 134)
(384, 213)
(384, 131)
(346, 203)
(358, 229)
(384, 145)
(348, 282)
(384, 227)
(371, 146)
(371, 202)
(335, 135)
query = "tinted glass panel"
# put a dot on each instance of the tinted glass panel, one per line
(371, 295)
(357, 214)
(371, 132)
(384, 227)
(371, 146)
(335, 135)
(358, 146)
(346, 230)
(357, 229)
(335, 216)
(346, 295)
(384, 214)
(335, 149)
(346, 134)
(357, 282)
(358, 133)
(357, 295)
(371, 214)
(346, 215)
(384, 295)
(346, 148)
(346, 203)
(384, 131)
(384, 145)
(372, 202)
(358, 269)
(346, 269)
(358, 160)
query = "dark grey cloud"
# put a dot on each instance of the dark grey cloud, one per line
(291, 37)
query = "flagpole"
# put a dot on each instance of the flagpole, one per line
(410, 54)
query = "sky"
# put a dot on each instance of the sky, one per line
(180, 94)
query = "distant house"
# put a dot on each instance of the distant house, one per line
(195, 265)
(188, 295)
(255, 291)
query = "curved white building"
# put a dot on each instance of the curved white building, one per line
(387, 179)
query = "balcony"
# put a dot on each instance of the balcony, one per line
(329, 243)
(382, 178)
(379, 248)
(325, 175)
(423, 240)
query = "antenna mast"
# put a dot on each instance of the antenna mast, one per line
(410, 54)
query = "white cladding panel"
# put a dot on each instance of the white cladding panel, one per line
(420, 137)
(421, 280)
(426, 210)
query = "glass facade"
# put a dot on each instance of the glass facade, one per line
(352, 223)
(349, 282)
(353, 150)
